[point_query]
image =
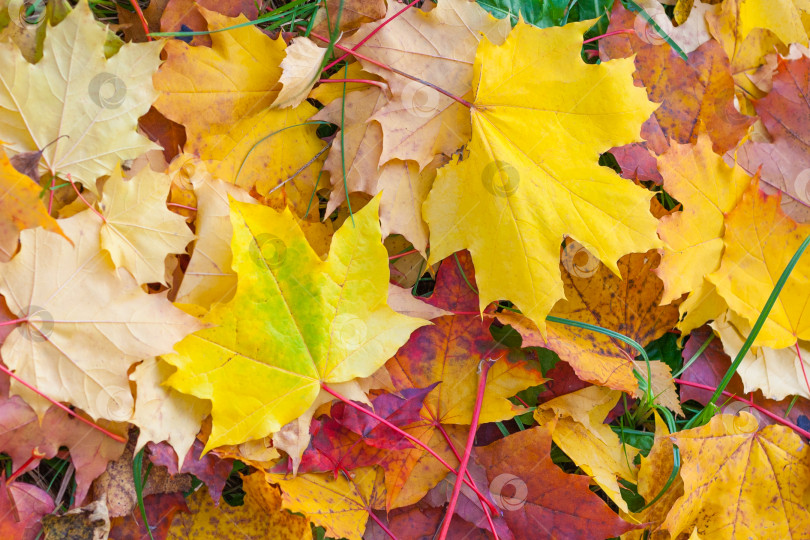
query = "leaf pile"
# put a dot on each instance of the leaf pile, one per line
(363, 269)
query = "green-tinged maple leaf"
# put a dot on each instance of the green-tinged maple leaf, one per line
(86, 105)
(295, 322)
(532, 175)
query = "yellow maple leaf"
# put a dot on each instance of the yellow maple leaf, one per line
(747, 275)
(591, 444)
(261, 515)
(86, 105)
(20, 207)
(301, 69)
(741, 482)
(338, 504)
(295, 321)
(708, 189)
(86, 324)
(207, 88)
(532, 175)
(139, 231)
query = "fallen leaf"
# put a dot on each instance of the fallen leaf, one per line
(748, 31)
(209, 468)
(739, 479)
(341, 505)
(628, 304)
(85, 324)
(785, 159)
(403, 301)
(693, 92)
(708, 189)
(353, 13)
(85, 105)
(578, 430)
(160, 511)
(516, 175)
(22, 506)
(21, 208)
(91, 522)
(139, 231)
(539, 499)
(260, 515)
(351, 337)
(419, 122)
(301, 69)
(209, 278)
(778, 373)
(746, 277)
(161, 412)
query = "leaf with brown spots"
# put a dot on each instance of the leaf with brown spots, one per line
(693, 92)
(339, 504)
(741, 481)
(542, 501)
(626, 304)
(261, 513)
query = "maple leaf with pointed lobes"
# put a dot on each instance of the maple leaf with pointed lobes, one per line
(695, 92)
(295, 322)
(419, 122)
(338, 504)
(547, 503)
(748, 30)
(85, 105)
(628, 304)
(535, 169)
(161, 412)
(22, 506)
(84, 323)
(708, 189)
(221, 94)
(746, 277)
(740, 481)
(139, 231)
(21, 431)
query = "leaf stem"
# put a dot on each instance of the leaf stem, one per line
(462, 468)
(395, 70)
(362, 81)
(408, 436)
(750, 403)
(118, 438)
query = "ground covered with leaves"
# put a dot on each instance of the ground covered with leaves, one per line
(293, 270)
